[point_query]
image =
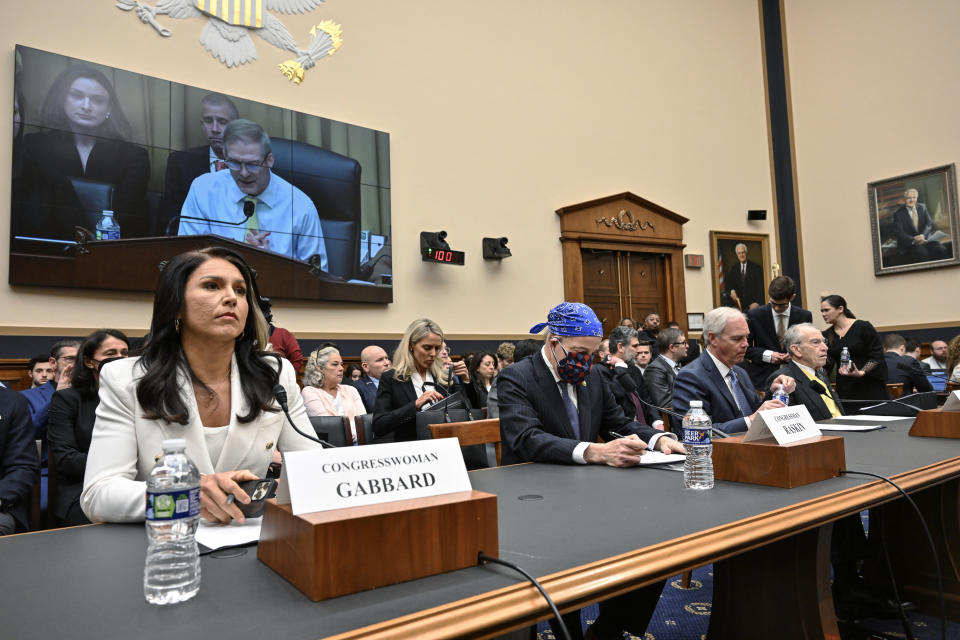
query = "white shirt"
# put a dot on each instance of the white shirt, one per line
(674, 365)
(768, 353)
(724, 371)
(215, 437)
(419, 387)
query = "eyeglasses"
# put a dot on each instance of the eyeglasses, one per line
(251, 167)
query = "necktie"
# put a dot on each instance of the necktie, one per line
(738, 394)
(571, 409)
(219, 165)
(781, 327)
(916, 220)
(743, 269)
(636, 403)
(825, 394)
(253, 223)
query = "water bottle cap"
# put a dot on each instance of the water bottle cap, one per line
(174, 444)
(107, 212)
(696, 404)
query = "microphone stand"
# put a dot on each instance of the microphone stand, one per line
(713, 430)
(281, 396)
(248, 209)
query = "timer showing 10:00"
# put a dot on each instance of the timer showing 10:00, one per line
(443, 256)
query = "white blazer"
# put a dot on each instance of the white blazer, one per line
(125, 445)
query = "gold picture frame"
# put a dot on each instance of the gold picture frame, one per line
(726, 280)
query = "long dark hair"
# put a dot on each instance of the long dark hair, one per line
(52, 114)
(836, 302)
(163, 356)
(475, 364)
(83, 378)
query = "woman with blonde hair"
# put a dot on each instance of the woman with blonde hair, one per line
(418, 379)
(323, 392)
(953, 359)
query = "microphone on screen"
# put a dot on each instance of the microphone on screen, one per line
(248, 208)
(280, 394)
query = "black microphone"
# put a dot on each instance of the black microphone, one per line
(281, 396)
(819, 387)
(248, 208)
(714, 430)
(899, 401)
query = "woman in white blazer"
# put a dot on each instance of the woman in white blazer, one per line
(201, 378)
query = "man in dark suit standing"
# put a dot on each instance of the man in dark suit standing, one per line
(744, 281)
(216, 112)
(553, 406)
(767, 325)
(808, 355)
(715, 379)
(19, 464)
(912, 227)
(901, 368)
(373, 361)
(662, 372)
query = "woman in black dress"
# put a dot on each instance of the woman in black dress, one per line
(866, 377)
(483, 369)
(85, 136)
(70, 421)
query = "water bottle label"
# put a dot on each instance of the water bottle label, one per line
(173, 505)
(782, 397)
(110, 235)
(696, 436)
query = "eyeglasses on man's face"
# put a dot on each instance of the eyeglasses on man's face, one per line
(251, 167)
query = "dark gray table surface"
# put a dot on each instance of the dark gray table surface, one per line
(86, 582)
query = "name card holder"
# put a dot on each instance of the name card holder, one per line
(769, 463)
(936, 423)
(326, 554)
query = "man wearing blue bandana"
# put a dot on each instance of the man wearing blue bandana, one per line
(553, 407)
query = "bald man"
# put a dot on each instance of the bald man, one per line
(373, 361)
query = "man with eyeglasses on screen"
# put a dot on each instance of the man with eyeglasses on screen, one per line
(249, 203)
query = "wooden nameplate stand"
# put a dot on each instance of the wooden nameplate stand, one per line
(332, 553)
(768, 463)
(934, 423)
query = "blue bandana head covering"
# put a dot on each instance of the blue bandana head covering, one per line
(571, 319)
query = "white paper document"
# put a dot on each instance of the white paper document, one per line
(850, 427)
(871, 418)
(216, 536)
(659, 457)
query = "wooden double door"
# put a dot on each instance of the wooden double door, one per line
(617, 284)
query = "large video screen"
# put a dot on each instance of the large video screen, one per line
(115, 171)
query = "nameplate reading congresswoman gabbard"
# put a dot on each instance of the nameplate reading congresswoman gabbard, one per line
(326, 479)
(785, 424)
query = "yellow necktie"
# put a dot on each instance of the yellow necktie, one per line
(827, 398)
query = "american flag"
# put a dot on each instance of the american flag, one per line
(720, 271)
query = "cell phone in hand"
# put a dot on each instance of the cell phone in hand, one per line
(259, 491)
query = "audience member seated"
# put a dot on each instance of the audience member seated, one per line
(19, 465)
(938, 356)
(282, 342)
(373, 362)
(628, 322)
(63, 355)
(660, 375)
(41, 370)
(768, 324)
(625, 380)
(553, 407)
(913, 351)
(504, 355)
(86, 137)
(281, 219)
(693, 346)
(71, 418)
(651, 327)
(323, 392)
(483, 369)
(953, 359)
(644, 355)
(418, 379)
(352, 374)
(603, 351)
(808, 355)
(202, 378)
(866, 377)
(715, 379)
(183, 167)
(902, 368)
(523, 349)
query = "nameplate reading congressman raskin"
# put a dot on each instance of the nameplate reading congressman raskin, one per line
(786, 425)
(327, 479)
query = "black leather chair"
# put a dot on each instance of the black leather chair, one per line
(94, 197)
(333, 429)
(332, 182)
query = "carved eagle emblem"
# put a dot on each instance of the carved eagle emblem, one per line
(229, 24)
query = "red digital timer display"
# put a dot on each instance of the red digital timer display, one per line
(443, 256)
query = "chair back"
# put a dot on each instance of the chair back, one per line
(94, 197)
(470, 434)
(333, 429)
(895, 389)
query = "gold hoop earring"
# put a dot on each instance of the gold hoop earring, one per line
(176, 325)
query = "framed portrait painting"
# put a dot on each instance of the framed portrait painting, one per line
(741, 269)
(913, 221)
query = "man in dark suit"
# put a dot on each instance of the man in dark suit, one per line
(625, 379)
(912, 227)
(902, 368)
(767, 326)
(662, 372)
(63, 356)
(715, 379)
(553, 406)
(808, 355)
(373, 361)
(744, 281)
(19, 465)
(216, 112)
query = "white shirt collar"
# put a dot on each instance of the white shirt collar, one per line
(670, 362)
(805, 368)
(722, 368)
(785, 313)
(543, 354)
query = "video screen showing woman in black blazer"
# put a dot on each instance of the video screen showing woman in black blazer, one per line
(417, 380)
(70, 421)
(866, 377)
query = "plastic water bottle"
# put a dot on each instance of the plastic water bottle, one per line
(845, 358)
(172, 570)
(107, 227)
(780, 394)
(698, 465)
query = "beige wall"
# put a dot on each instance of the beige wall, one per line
(499, 113)
(875, 94)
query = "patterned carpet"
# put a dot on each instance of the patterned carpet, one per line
(684, 614)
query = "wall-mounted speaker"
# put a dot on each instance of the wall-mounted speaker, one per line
(757, 214)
